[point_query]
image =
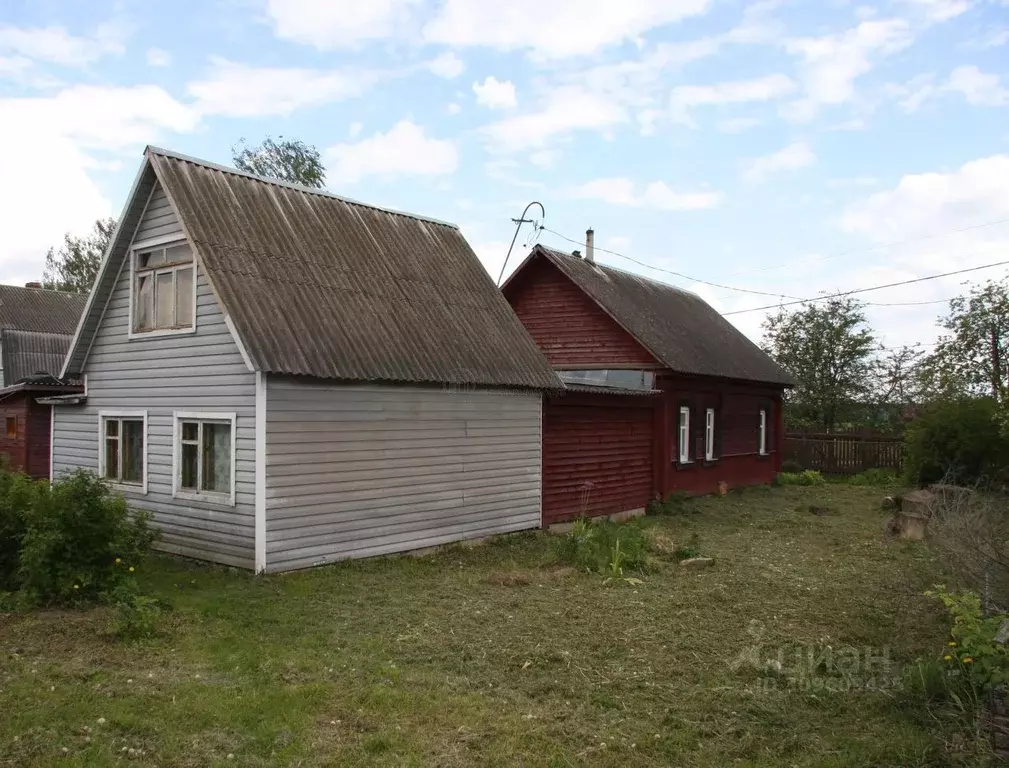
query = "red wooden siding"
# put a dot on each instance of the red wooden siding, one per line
(29, 451)
(39, 426)
(569, 327)
(14, 448)
(597, 455)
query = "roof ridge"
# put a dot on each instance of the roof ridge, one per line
(627, 272)
(151, 149)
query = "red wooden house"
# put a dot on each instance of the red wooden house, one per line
(663, 393)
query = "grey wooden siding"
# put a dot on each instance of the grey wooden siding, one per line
(354, 471)
(193, 372)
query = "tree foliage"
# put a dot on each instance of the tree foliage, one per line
(73, 266)
(828, 348)
(972, 357)
(289, 160)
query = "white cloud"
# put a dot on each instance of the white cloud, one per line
(495, 94)
(791, 158)
(13, 65)
(239, 90)
(940, 10)
(340, 23)
(543, 158)
(453, 109)
(830, 65)
(770, 87)
(554, 28)
(57, 46)
(566, 109)
(158, 57)
(978, 88)
(354, 130)
(737, 124)
(447, 65)
(657, 195)
(404, 150)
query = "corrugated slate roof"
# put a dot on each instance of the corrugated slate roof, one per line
(682, 330)
(26, 353)
(323, 286)
(39, 309)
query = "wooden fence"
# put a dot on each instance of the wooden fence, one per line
(844, 454)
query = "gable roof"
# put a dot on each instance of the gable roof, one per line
(40, 309)
(319, 285)
(26, 353)
(678, 327)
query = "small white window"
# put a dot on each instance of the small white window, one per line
(684, 434)
(709, 434)
(205, 457)
(763, 432)
(122, 454)
(163, 290)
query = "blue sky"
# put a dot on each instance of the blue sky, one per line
(737, 142)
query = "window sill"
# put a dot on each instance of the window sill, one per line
(134, 335)
(127, 487)
(712, 462)
(207, 497)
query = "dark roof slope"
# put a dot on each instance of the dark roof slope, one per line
(683, 331)
(322, 286)
(26, 353)
(39, 309)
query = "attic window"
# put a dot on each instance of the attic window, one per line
(164, 292)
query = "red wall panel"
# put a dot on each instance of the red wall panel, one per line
(38, 437)
(597, 456)
(569, 327)
(14, 448)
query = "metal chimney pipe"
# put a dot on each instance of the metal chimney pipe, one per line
(590, 246)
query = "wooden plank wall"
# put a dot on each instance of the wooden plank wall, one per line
(844, 454)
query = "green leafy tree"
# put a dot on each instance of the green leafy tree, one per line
(972, 357)
(73, 266)
(828, 348)
(285, 159)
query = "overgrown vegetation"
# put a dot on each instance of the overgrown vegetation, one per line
(73, 543)
(806, 477)
(601, 546)
(442, 661)
(875, 477)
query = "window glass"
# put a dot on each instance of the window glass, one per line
(133, 451)
(684, 435)
(217, 457)
(190, 470)
(178, 253)
(145, 303)
(184, 296)
(164, 301)
(190, 430)
(148, 259)
(12, 426)
(112, 458)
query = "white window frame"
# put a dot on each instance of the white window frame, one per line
(210, 497)
(762, 445)
(118, 415)
(142, 245)
(709, 434)
(683, 434)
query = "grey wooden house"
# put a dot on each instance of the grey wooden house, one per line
(284, 377)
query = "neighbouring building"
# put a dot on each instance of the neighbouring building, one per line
(284, 377)
(36, 326)
(663, 395)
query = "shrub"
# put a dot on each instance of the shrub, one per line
(674, 504)
(808, 477)
(958, 441)
(79, 541)
(16, 492)
(791, 466)
(603, 546)
(875, 476)
(135, 615)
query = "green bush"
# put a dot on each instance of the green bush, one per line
(878, 477)
(135, 615)
(79, 540)
(791, 466)
(958, 441)
(16, 492)
(603, 546)
(808, 477)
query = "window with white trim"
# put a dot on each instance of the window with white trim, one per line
(164, 292)
(709, 434)
(123, 451)
(684, 434)
(205, 457)
(763, 432)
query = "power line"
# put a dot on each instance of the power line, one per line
(670, 271)
(867, 290)
(872, 248)
(906, 303)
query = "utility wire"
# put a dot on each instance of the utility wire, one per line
(670, 271)
(867, 290)
(906, 303)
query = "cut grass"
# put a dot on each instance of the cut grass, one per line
(495, 656)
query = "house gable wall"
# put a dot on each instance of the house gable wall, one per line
(570, 329)
(201, 371)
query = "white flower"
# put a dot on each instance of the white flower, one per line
(101, 721)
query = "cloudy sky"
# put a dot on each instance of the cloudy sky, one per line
(789, 148)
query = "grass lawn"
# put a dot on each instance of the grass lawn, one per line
(494, 656)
